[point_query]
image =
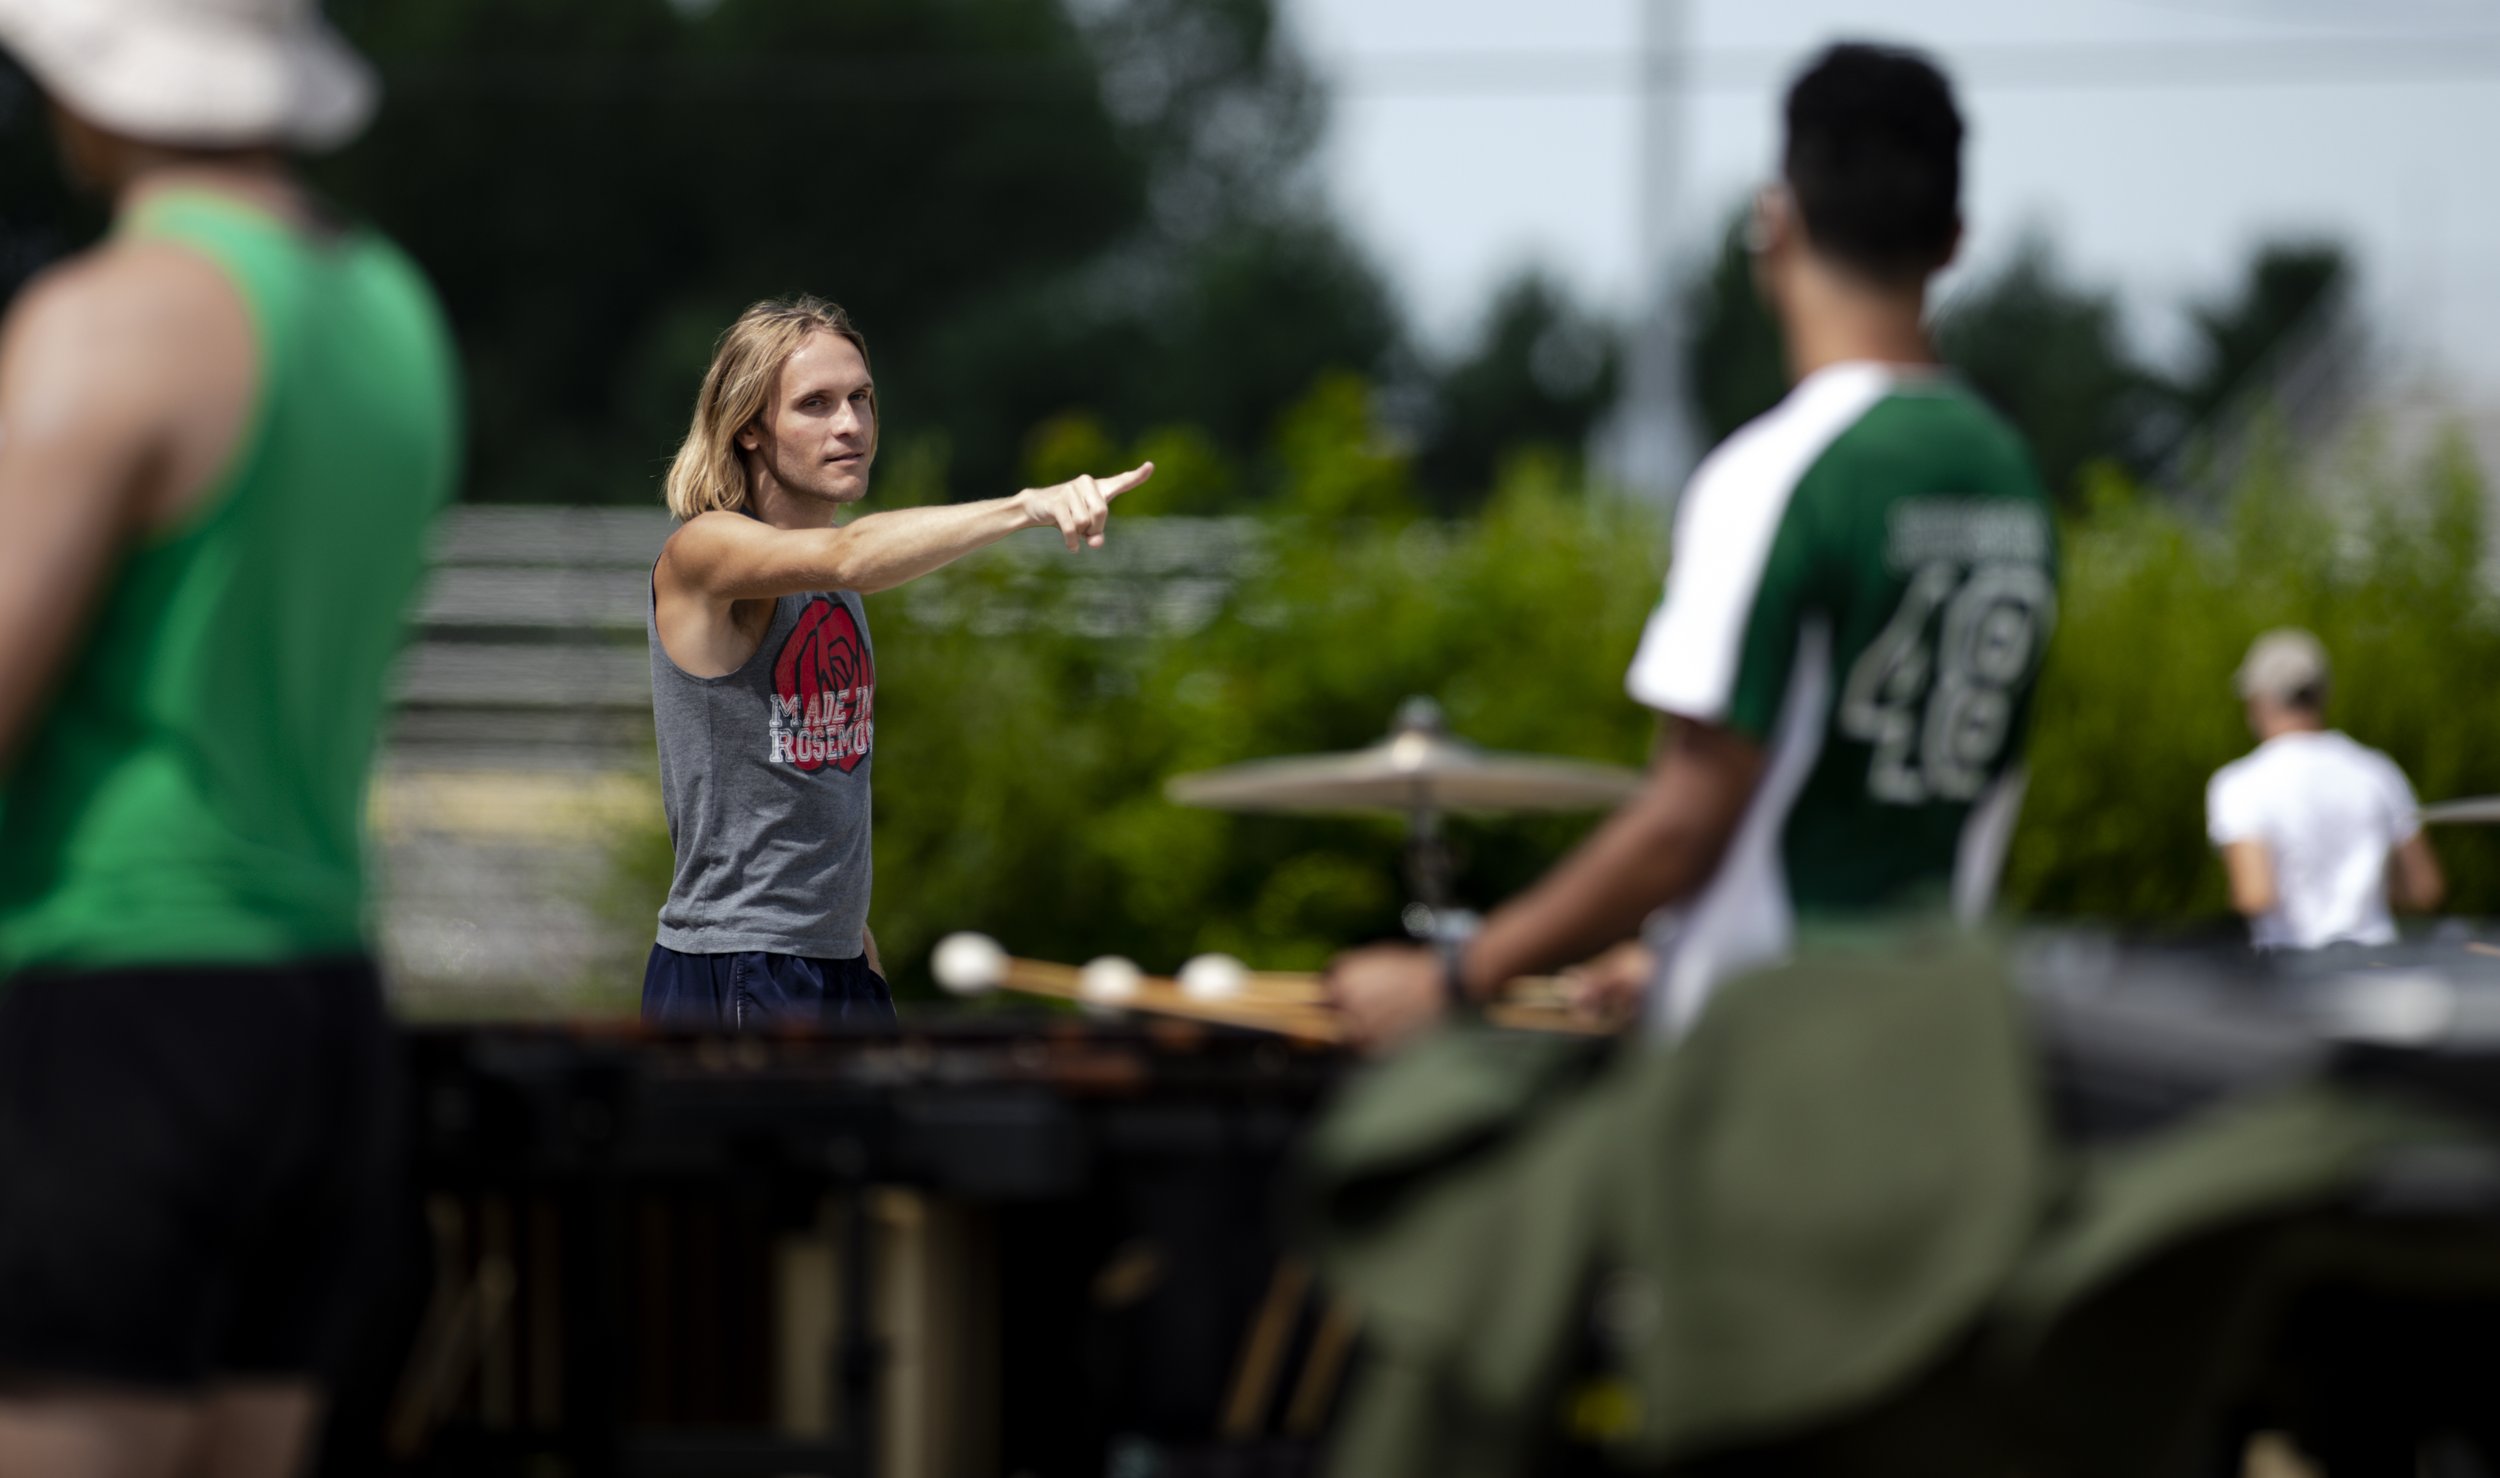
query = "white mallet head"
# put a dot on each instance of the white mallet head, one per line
(969, 964)
(1110, 980)
(1213, 978)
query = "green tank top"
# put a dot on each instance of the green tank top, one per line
(194, 792)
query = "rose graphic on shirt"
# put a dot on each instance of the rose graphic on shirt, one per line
(824, 692)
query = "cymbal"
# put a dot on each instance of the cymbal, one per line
(2482, 810)
(1408, 772)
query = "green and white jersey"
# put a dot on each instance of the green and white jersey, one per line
(1864, 581)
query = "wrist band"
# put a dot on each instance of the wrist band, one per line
(1454, 973)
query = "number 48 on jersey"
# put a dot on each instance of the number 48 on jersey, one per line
(1934, 695)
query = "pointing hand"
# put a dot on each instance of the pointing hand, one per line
(1079, 508)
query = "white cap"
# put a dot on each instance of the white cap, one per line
(203, 73)
(2285, 666)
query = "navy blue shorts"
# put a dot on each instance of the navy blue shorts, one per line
(760, 992)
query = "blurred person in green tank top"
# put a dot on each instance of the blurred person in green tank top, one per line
(224, 433)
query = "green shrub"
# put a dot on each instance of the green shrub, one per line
(1020, 777)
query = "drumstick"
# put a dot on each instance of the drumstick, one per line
(1278, 985)
(974, 964)
(1216, 977)
(1215, 989)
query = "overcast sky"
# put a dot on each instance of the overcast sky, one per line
(2155, 141)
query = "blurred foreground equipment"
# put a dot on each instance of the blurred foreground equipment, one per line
(967, 1250)
(1879, 1214)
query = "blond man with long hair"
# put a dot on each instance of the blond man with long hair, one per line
(763, 679)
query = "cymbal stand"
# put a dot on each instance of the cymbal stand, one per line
(1429, 917)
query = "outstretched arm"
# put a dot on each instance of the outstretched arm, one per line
(727, 557)
(1660, 848)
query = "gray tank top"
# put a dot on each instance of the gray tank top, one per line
(764, 775)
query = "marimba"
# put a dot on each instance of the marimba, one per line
(960, 1248)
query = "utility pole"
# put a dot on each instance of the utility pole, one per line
(1646, 444)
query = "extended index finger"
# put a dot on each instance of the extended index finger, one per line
(1112, 487)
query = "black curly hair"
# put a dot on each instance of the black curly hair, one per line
(1874, 159)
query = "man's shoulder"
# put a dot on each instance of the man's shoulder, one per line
(2376, 764)
(131, 305)
(711, 523)
(125, 282)
(2249, 769)
(123, 342)
(1926, 432)
(2303, 760)
(1747, 480)
(2359, 752)
(2241, 798)
(1786, 439)
(706, 536)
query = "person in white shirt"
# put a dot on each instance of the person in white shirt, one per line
(2318, 833)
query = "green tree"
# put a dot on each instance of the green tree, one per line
(2054, 358)
(1733, 361)
(1335, 463)
(1540, 373)
(2136, 710)
(1520, 622)
(1032, 208)
(1255, 315)
(2051, 354)
(2288, 291)
(2046, 353)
